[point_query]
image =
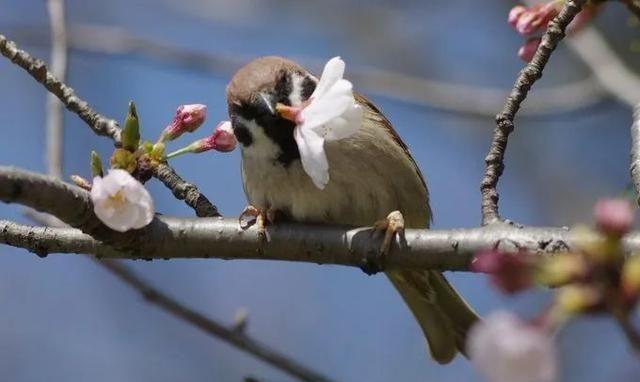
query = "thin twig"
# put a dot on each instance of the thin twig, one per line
(56, 233)
(635, 151)
(39, 71)
(186, 191)
(100, 124)
(226, 333)
(55, 117)
(633, 6)
(604, 63)
(505, 119)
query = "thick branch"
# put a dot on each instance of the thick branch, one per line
(505, 119)
(169, 237)
(220, 238)
(186, 191)
(39, 71)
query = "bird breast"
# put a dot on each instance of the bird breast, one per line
(370, 176)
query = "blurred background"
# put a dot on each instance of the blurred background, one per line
(439, 70)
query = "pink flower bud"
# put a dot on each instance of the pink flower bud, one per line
(515, 13)
(613, 216)
(534, 18)
(224, 137)
(222, 140)
(188, 118)
(528, 50)
(509, 272)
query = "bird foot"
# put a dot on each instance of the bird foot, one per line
(393, 224)
(260, 218)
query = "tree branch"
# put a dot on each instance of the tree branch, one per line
(39, 71)
(505, 119)
(168, 237)
(100, 124)
(186, 191)
(172, 238)
(633, 6)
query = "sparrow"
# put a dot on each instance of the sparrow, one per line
(328, 176)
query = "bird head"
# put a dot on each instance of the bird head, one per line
(256, 96)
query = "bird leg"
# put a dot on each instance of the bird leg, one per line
(261, 218)
(393, 224)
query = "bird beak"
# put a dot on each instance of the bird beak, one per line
(290, 113)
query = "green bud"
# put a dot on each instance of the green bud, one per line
(147, 147)
(157, 152)
(131, 131)
(96, 165)
(124, 160)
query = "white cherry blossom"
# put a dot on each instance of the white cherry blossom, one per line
(506, 349)
(330, 114)
(121, 202)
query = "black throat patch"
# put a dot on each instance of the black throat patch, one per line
(278, 129)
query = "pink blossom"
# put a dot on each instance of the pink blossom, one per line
(509, 272)
(187, 119)
(515, 14)
(528, 50)
(505, 348)
(614, 216)
(222, 140)
(533, 19)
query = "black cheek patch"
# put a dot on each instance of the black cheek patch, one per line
(280, 131)
(242, 134)
(283, 88)
(308, 86)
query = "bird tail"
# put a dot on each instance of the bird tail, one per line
(445, 318)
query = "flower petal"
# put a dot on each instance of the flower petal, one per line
(312, 155)
(121, 202)
(335, 101)
(333, 72)
(343, 126)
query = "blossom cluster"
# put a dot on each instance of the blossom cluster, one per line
(597, 277)
(119, 198)
(532, 22)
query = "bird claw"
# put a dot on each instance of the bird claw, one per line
(260, 219)
(393, 224)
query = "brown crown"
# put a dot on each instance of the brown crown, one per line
(261, 73)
